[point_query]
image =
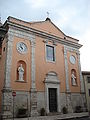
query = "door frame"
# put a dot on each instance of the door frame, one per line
(52, 81)
(47, 86)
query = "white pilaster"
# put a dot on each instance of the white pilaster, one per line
(33, 64)
(66, 69)
(33, 85)
(7, 91)
(8, 62)
(81, 79)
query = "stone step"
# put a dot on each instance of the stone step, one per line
(53, 113)
(57, 117)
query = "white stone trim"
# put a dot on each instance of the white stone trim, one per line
(31, 38)
(21, 34)
(66, 69)
(7, 90)
(33, 63)
(47, 86)
(8, 62)
(71, 49)
(81, 79)
(52, 81)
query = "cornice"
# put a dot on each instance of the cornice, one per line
(43, 34)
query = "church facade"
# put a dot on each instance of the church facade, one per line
(41, 66)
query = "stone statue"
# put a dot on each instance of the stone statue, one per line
(73, 78)
(21, 72)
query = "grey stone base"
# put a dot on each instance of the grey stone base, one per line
(6, 115)
(34, 102)
(77, 99)
(7, 103)
(69, 102)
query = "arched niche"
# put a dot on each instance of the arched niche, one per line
(23, 64)
(73, 77)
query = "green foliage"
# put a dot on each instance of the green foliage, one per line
(78, 109)
(42, 112)
(64, 110)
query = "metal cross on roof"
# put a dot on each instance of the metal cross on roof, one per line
(47, 14)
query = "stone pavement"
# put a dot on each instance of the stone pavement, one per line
(56, 117)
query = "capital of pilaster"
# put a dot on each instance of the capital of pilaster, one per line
(33, 90)
(65, 50)
(68, 91)
(6, 89)
(9, 36)
(33, 43)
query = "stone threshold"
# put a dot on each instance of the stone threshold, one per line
(57, 117)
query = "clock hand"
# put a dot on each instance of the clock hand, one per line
(21, 47)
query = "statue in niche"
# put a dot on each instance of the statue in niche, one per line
(73, 78)
(21, 72)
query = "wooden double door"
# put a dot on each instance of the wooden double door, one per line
(53, 99)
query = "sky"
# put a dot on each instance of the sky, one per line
(71, 16)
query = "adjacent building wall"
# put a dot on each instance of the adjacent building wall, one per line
(2, 68)
(86, 74)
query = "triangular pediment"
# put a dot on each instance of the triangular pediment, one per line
(48, 27)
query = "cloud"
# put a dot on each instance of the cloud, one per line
(38, 4)
(85, 50)
(71, 17)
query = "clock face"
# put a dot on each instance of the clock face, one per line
(21, 47)
(72, 59)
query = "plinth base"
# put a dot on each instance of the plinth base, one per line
(34, 102)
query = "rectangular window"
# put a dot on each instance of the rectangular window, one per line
(89, 92)
(50, 53)
(88, 79)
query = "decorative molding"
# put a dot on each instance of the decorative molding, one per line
(71, 49)
(52, 81)
(44, 35)
(52, 41)
(21, 34)
(52, 78)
